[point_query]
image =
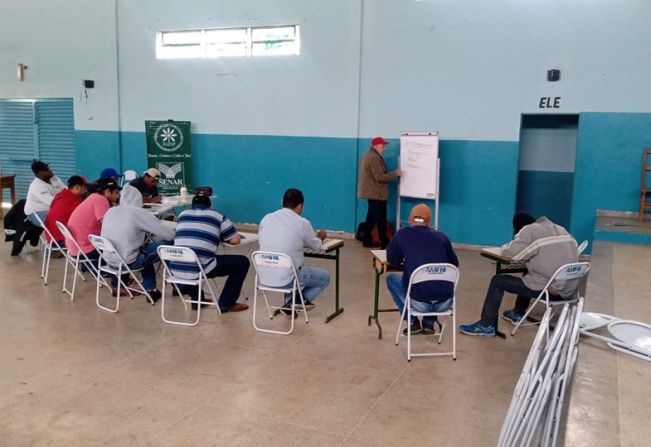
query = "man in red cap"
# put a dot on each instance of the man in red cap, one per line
(373, 186)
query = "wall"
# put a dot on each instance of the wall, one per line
(467, 68)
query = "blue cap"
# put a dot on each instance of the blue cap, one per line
(109, 172)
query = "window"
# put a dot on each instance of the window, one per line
(243, 42)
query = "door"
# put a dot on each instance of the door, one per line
(547, 165)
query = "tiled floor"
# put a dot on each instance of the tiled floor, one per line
(72, 374)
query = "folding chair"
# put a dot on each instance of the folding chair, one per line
(270, 261)
(431, 272)
(49, 246)
(568, 272)
(128, 176)
(75, 261)
(185, 255)
(103, 246)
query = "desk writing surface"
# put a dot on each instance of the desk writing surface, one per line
(330, 244)
(380, 255)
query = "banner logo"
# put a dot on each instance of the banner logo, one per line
(168, 137)
(169, 174)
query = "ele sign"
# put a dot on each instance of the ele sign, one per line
(547, 102)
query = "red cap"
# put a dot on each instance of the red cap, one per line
(379, 140)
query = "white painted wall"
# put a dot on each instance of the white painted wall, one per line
(62, 43)
(314, 94)
(468, 68)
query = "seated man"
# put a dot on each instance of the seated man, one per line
(126, 226)
(415, 246)
(202, 229)
(147, 186)
(41, 191)
(63, 204)
(88, 216)
(285, 231)
(18, 230)
(545, 247)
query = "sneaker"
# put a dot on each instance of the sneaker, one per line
(154, 294)
(415, 328)
(308, 305)
(477, 329)
(512, 316)
(429, 328)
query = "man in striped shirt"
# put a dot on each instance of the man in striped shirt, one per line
(203, 229)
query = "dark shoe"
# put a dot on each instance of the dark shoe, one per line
(204, 302)
(429, 328)
(238, 307)
(154, 294)
(415, 328)
(288, 312)
(123, 291)
(309, 305)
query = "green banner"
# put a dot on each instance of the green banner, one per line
(169, 150)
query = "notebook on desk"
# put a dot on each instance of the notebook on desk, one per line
(330, 244)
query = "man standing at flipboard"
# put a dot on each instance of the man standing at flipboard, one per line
(374, 186)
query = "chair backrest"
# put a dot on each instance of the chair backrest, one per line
(434, 272)
(68, 235)
(41, 224)
(181, 255)
(582, 246)
(128, 176)
(102, 244)
(272, 261)
(576, 270)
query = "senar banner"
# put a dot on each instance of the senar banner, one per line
(169, 149)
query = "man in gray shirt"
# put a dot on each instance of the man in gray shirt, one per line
(285, 231)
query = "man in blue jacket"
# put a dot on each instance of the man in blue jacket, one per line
(414, 246)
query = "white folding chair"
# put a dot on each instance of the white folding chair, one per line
(128, 176)
(49, 246)
(278, 262)
(568, 272)
(76, 261)
(184, 255)
(103, 246)
(582, 246)
(431, 272)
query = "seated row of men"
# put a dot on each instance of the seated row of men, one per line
(543, 245)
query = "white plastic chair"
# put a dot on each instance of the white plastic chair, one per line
(265, 260)
(103, 246)
(128, 176)
(75, 262)
(431, 272)
(172, 253)
(49, 246)
(568, 272)
(582, 246)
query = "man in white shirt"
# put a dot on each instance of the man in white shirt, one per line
(285, 231)
(41, 191)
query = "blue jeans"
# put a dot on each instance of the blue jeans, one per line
(394, 284)
(314, 281)
(145, 261)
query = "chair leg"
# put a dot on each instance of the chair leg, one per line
(408, 306)
(526, 314)
(402, 318)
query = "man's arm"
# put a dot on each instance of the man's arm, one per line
(309, 236)
(395, 256)
(154, 199)
(522, 240)
(377, 170)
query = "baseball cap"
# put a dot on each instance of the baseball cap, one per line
(420, 214)
(379, 140)
(107, 183)
(109, 172)
(153, 172)
(39, 166)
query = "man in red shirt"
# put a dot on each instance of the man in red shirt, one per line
(63, 204)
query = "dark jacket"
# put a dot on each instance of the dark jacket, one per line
(374, 180)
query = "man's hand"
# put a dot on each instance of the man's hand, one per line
(321, 234)
(155, 199)
(397, 172)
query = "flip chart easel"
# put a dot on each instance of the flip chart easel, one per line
(420, 166)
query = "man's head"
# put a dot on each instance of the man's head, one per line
(201, 201)
(109, 188)
(521, 220)
(151, 177)
(77, 185)
(42, 170)
(379, 144)
(293, 199)
(420, 215)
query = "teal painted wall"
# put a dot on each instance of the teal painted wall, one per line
(96, 150)
(608, 162)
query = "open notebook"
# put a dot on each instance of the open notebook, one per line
(330, 244)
